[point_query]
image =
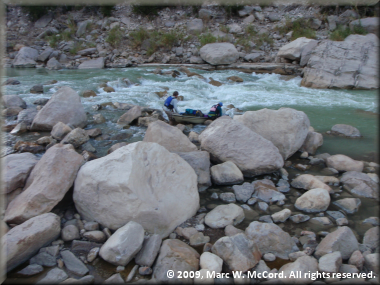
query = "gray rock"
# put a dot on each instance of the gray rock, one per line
(31, 270)
(371, 238)
(13, 101)
(26, 116)
(114, 279)
(54, 276)
(73, 264)
(92, 63)
(371, 262)
(274, 17)
(198, 239)
(93, 253)
(87, 51)
(342, 239)
(229, 140)
(82, 28)
(177, 256)
(299, 218)
(294, 49)
(314, 200)
(26, 57)
(195, 26)
(360, 184)
(40, 230)
(95, 236)
(44, 55)
(330, 262)
(39, 88)
(224, 215)
(219, 53)
(83, 247)
(226, 173)
(53, 64)
(43, 21)
(227, 197)
(371, 25)
(124, 244)
(64, 106)
(265, 219)
(312, 142)
(303, 265)
(18, 167)
(281, 216)
(200, 162)
(43, 259)
(262, 206)
(266, 192)
(238, 252)
(270, 238)
(349, 205)
(52, 250)
(91, 226)
(76, 137)
(347, 130)
(328, 66)
(243, 192)
(60, 130)
(149, 251)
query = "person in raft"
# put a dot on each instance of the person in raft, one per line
(171, 103)
(215, 111)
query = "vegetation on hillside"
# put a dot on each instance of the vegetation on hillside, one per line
(300, 28)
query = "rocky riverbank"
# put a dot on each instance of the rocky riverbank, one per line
(301, 38)
(246, 194)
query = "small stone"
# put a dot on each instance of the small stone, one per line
(145, 271)
(31, 270)
(214, 196)
(172, 236)
(228, 197)
(93, 254)
(70, 233)
(91, 226)
(266, 219)
(120, 268)
(43, 259)
(269, 257)
(304, 154)
(341, 222)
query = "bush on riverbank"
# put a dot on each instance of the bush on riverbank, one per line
(342, 32)
(115, 36)
(300, 28)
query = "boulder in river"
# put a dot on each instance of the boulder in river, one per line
(312, 142)
(64, 106)
(342, 162)
(293, 50)
(92, 63)
(169, 137)
(346, 130)
(344, 64)
(219, 53)
(228, 140)
(131, 115)
(26, 57)
(286, 128)
(13, 101)
(224, 215)
(141, 182)
(50, 179)
(308, 181)
(23, 242)
(360, 184)
(271, 238)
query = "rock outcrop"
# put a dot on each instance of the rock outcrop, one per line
(219, 53)
(350, 64)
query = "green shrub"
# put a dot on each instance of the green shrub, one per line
(342, 32)
(250, 30)
(207, 38)
(77, 47)
(224, 29)
(195, 9)
(232, 10)
(264, 38)
(300, 28)
(106, 10)
(115, 36)
(138, 37)
(53, 40)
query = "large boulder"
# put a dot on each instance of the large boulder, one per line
(123, 245)
(24, 241)
(371, 238)
(13, 101)
(238, 252)
(200, 162)
(131, 115)
(26, 57)
(344, 64)
(53, 64)
(346, 130)
(307, 51)
(228, 140)
(224, 215)
(16, 169)
(342, 239)
(313, 201)
(270, 238)
(286, 128)
(50, 179)
(371, 25)
(360, 184)
(177, 256)
(141, 182)
(342, 162)
(26, 116)
(172, 138)
(92, 63)
(219, 53)
(64, 106)
(293, 50)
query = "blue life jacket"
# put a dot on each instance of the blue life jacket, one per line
(168, 104)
